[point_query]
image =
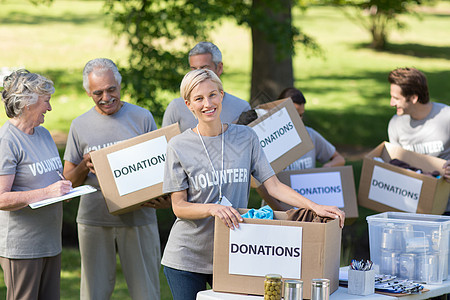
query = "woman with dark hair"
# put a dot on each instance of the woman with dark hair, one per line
(30, 240)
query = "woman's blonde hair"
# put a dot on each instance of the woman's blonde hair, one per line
(194, 78)
(22, 88)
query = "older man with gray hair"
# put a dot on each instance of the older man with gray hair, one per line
(205, 55)
(134, 235)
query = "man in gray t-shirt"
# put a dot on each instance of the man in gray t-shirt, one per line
(419, 125)
(134, 235)
(204, 55)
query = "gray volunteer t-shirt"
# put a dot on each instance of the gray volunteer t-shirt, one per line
(322, 152)
(430, 135)
(177, 111)
(33, 159)
(190, 244)
(93, 131)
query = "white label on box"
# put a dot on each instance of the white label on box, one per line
(277, 134)
(395, 190)
(257, 250)
(322, 188)
(139, 166)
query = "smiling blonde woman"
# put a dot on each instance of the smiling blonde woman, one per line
(208, 171)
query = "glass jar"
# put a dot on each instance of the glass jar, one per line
(272, 287)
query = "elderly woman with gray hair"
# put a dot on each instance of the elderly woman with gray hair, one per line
(30, 240)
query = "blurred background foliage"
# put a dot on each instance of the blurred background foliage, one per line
(343, 76)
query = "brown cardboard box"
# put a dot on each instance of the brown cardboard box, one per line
(385, 187)
(281, 134)
(326, 186)
(131, 172)
(320, 254)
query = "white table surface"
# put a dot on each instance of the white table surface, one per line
(340, 294)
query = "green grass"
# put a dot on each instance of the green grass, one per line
(70, 279)
(346, 89)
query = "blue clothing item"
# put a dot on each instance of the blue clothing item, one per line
(185, 285)
(264, 212)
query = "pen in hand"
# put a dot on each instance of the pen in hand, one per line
(60, 175)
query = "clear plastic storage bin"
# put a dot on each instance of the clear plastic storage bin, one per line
(410, 246)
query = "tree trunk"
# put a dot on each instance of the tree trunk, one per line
(378, 31)
(378, 42)
(270, 74)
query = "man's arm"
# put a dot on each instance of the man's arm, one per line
(336, 160)
(77, 173)
(392, 132)
(160, 202)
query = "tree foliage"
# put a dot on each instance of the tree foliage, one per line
(379, 17)
(37, 2)
(160, 33)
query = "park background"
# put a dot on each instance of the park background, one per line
(345, 86)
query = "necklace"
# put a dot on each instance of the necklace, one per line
(210, 161)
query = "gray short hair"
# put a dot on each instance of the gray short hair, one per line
(207, 47)
(100, 64)
(194, 78)
(22, 88)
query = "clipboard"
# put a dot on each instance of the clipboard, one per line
(78, 191)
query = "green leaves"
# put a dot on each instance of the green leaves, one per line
(160, 34)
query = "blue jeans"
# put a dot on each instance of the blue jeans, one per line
(185, 285)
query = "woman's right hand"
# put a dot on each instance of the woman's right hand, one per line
(58, 188)
(227, 214)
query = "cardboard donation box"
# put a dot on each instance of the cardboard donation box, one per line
(131, 172)
(386, 187)
(295, 250)
(281, 134)
(326, 186)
